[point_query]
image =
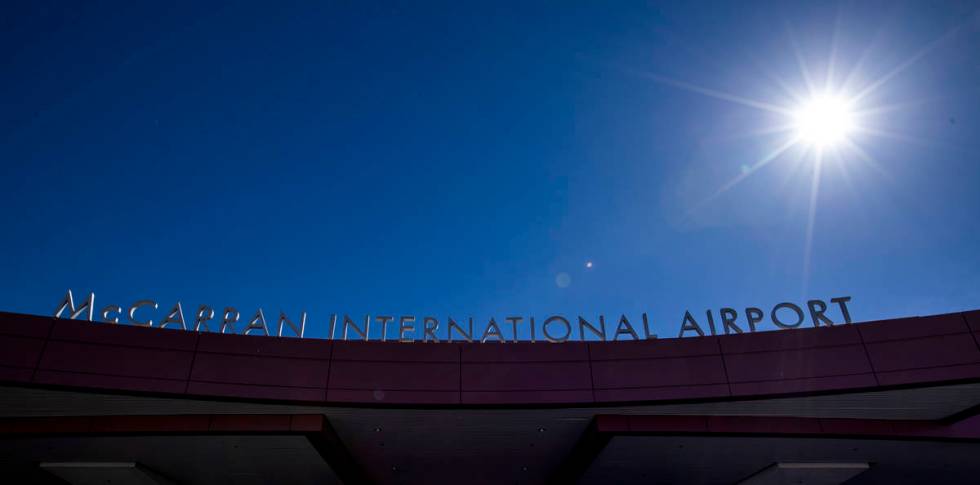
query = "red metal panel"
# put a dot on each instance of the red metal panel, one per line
(910, 328)
(249, 422)
(149, 424)
(116, 360)
(260, 370)
(120, 357)
(650, 349)
(421, 376)
(246, 391)
(396, 352)
(25, 325)
(199, 424)
(804, 338)
(381, 396)
(689, 371)
(931, 374)
(16, 374)
(781, 426)
(665, 424)
(19, 357)
(526, 376)
(915, 353)
(526, 397)
(762, 424)
(100, 381)
(265, 347)
(20, 351)
(796, 364)
(128, 335)
(848, 427)
(973, 320)
(813, 384)
(307, 422)
(525, 352)
(613, 423)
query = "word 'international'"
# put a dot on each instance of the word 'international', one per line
(409, 328)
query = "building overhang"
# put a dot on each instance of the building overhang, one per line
(520, 413)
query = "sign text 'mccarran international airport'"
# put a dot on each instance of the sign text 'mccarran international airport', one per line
(410, 328)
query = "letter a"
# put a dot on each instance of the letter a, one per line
(690, 324)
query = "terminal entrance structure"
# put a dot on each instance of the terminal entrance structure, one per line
(877, 402)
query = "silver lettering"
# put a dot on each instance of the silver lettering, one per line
(384, 321)
(405, 324)
(513, 322)
(754, 315)
(111, 309)
(711, 322)
(138, 305)
(466, 335)
(363, 332)
(257, 323)
(333, 325)
(728, 317)
(624, 327)
(204, 313)
(551, 338)
(779, 323)
(176, 316)
(646, 328)
(842, 303)
(429, 328)
(229, 319)
(598, 332)
(284, 320)
(817, 309)
(690, 324)
(492, 330)
(69, 303)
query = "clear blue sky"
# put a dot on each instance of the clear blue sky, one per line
(457, 158)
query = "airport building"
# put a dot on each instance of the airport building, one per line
(894, 401)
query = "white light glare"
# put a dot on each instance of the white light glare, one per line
(824, 121)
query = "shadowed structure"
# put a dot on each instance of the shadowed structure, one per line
(83, 401)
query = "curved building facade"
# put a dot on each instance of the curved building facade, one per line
(876, 402)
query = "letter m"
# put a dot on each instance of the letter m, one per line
(68, 303)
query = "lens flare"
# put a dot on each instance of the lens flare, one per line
(824, 121)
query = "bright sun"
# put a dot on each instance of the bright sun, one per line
(823, 121)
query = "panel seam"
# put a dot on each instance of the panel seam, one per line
(190, 369)
(972, 334)
(326, 385)
(724, 368)
(867, 355)
(44, 348)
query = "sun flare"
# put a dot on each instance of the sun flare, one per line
(833, 119)
(823, 121)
